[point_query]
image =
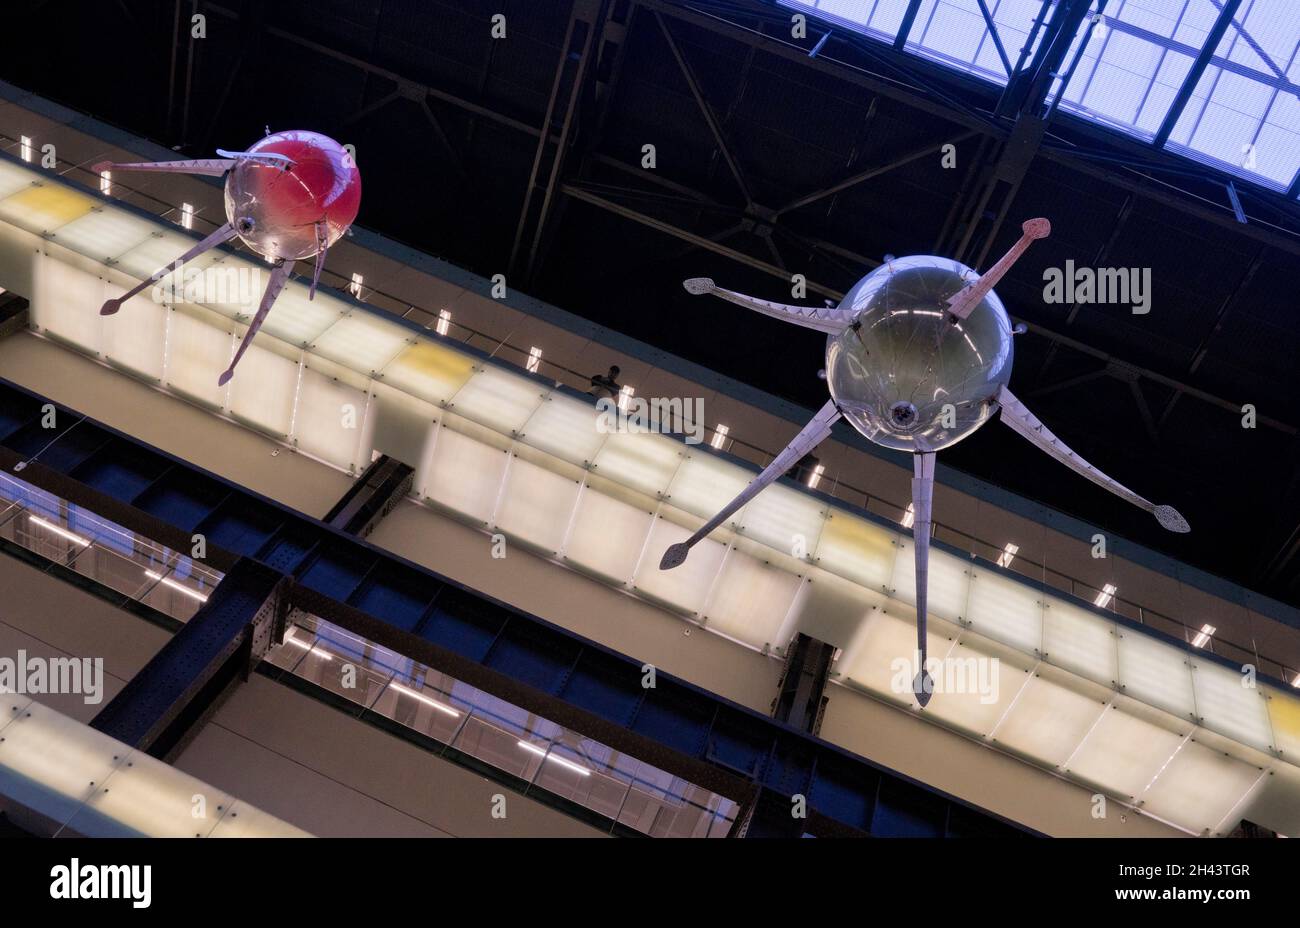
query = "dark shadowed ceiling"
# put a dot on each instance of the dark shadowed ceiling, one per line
(448, 128)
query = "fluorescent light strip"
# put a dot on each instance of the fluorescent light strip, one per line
(1105, 596)
(534, 359)
(444, 322)
(416, 694)
(178, 587)
(816, 476)
(1008, 555)
(909, 516)
(61, 532)
(542, 752)
(1203, 636)
(719, 436)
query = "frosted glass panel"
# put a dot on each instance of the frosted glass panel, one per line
(1155, 673)
(975, 706)
(645, 463)
(564, 427)
(785, 519)
(1124, 752)
(497, 399)
(466, 474)
(1199, 787)
(949, 580)
(104, 234)
(135, 339)
(607, 536)
(704, 484)
(67, 302)
(1080, 641)
(159, 251)
(430, 371)
(1284, 714)
(686, 586)
(362, 341)
(1005, 610)
(751, 600)
(263, 392)
(1226, 706)
(13, 179)
(197, 353)
(330, 418)
(299, 321)
(1049, 721)
(45, 207)
(536, 505)
(882, 654)
(857, 550)
(152, 799)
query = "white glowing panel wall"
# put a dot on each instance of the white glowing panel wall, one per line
(751, 599)
(607, 536)
(1080, 641)
(264, 392)
(69, 773)
(136, 341)
(1232, 704)
(466, 474)
(643, 462)
(536, 505)
(703, 484)
(66, 303)
(330, 418)
(683, 587)
(1050, 719)
(563, 427)
(783, 519)
(1156, 674)
(497, 399)
(949, 581)
(197, 353)
(1005, 610)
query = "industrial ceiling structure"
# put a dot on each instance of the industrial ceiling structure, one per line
(807, 137)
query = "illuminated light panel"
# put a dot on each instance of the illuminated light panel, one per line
(607, 536)
(64, 301)
(444, 322)
(704, 483)
(300, 321)
(784, 519)
(1050, 720)
(106, 182)
(830, 609)
(196, 354)
(14, 178)
(816, 476)
(857, 549)
(683, 587)
(1284, 717)
(949, 581)
(1156, 673)
(420, 697)
(178, 587)
(331, 419)
(25, 147)
(536, 504)
(103, 234)
(909, 517)
(263, 393)
(1199, 787)
(1125, 750)
(551, 756)
(534, 361)
(751, 599)
(355, 286)
(158, 251)
(361, 341)
(719, 437)
(643, 462)
(1203, 636)
(1105, 596)
(1081, 642)
(1008, 554)
(973, 710)
(1226, 704)
(59, 530)
(466, 475)
(1005, 610)
(45, 208)
(625, 394)
(187, 216)
(565, 428)
(429, 371)
(498, 399)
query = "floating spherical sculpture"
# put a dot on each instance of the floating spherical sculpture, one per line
(907, 373)
(275, 209)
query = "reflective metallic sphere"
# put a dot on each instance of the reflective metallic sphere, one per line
(908, 374)
(275, 210)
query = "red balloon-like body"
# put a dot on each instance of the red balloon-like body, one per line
(275, 209)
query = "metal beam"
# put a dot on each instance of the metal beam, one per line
(723, 148)
(1193, 77)
(578, 193)
(993, 34)
(905, 27)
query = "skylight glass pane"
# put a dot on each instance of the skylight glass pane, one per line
(954, 33)
(1243, 115)
(878, 17)
(1135, 60)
